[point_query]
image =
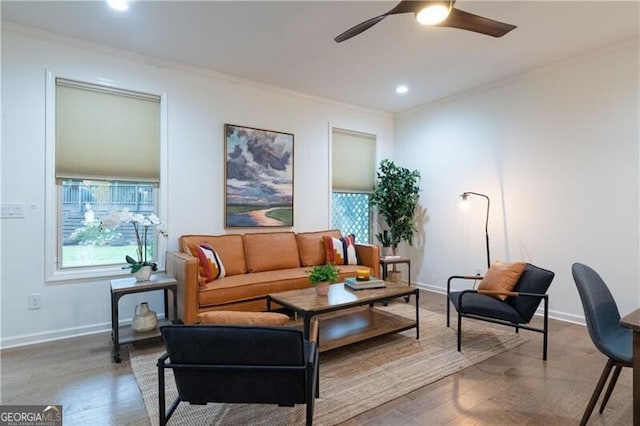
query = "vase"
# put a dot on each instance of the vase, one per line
(143, 274)
(322, 288)
(386, 251)
(394, 276)
(144, 319)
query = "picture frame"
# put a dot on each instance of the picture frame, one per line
(258, 177)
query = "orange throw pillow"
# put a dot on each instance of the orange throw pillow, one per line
(502, 276)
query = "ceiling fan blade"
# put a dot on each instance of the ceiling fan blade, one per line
(362, 26)
(404, 6)
(479, 24)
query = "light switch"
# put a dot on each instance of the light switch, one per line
(13, 210)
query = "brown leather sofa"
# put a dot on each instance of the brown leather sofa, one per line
(256, 264)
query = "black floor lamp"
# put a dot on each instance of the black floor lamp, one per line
(464, 196)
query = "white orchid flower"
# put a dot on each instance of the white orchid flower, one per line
(111, 221)
(115, 219)
(126, 216)
(163, 229)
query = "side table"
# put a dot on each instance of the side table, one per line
(124, 334)
(386, 261)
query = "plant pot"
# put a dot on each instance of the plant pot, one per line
(394, 276)
(143, 274)
(386, 251)
(322, 288)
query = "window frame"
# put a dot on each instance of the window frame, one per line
(53, 191)
(372, 214)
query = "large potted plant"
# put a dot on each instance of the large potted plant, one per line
(396, 196)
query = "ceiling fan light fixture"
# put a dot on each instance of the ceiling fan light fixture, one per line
(434, 14)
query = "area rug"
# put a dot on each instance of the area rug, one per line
(353, 380)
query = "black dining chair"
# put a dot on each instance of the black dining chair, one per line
(603, 322)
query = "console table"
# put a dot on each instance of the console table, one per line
(121, 287)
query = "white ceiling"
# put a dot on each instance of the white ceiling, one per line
(290, 43)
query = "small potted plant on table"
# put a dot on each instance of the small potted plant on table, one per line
(321, 276)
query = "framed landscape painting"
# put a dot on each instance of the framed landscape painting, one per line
(258, 177)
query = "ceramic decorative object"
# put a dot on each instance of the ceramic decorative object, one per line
(362, 274)
(386, 251)
(144, 319)
(322, 288)
(143, 274)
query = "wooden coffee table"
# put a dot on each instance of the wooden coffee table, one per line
(348, 316)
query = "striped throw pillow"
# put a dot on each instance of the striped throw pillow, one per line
(210, 266)
(341, 251)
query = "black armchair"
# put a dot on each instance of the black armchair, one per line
(516, 311)
(603, 322)
(239, 364)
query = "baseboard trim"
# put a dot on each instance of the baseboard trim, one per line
(67, 333)
(49, 336)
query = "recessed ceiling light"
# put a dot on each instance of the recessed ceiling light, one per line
(120, 5)
(402, 89)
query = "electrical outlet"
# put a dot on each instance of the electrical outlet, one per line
(34, 300)
(479, 270)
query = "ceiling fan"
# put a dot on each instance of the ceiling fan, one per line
(435, 13)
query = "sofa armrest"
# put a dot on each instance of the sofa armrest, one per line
(369, 255)
(184, 268)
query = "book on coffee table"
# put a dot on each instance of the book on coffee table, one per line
(372, 282)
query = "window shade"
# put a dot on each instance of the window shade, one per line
(353, 161)
(106, 133)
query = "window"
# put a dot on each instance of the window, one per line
(103, 154)
(353, 177)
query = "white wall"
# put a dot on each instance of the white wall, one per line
(556, 150)
(199, 103)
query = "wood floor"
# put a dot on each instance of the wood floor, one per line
(514, 388)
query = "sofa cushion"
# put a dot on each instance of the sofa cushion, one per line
(254, 286)
(210, 267)
(341, 251)
(251, 286)
(271, 251)
(230, 248)
(311, 246)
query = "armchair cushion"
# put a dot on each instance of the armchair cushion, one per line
(502, 277)
(484, 305)
(534, 280)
